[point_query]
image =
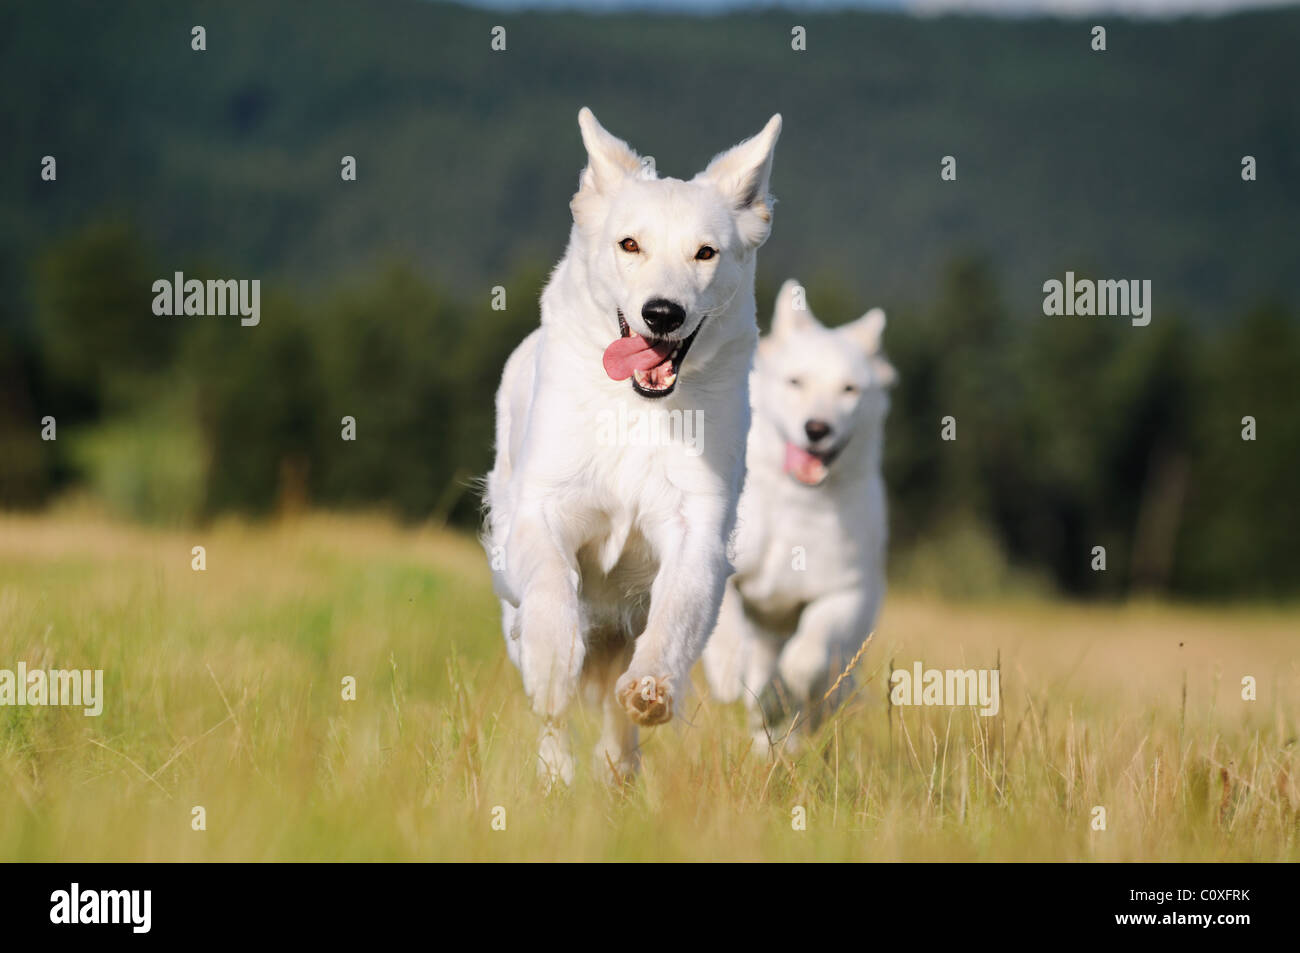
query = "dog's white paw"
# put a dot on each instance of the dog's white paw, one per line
(803, 669)
(647, 699)
(554, 759)
(615, 766)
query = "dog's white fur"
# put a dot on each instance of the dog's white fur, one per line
(610, 561)
(810, 560)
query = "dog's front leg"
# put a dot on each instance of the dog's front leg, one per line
(831, 629)
(684, 604)
(552, 647)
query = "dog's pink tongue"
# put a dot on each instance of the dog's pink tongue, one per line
(634, 353)
(803, 466)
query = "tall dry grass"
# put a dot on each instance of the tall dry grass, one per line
(224, 691)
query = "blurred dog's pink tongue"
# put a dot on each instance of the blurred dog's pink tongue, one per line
(634, 353)
(803, 466)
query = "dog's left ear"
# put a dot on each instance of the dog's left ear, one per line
(865, 332)
(742, 174)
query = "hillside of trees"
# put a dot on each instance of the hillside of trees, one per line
(1073, 432)
(1124, 162)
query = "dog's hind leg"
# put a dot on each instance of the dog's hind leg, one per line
(554, 754)
(765, 696)
(616, 757)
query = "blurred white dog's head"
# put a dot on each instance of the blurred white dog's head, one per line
(821, 388)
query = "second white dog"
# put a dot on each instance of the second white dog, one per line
(812, 528)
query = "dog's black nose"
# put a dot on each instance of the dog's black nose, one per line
(816, 429)
(663, 316)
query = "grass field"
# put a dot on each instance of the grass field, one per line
(223, 690)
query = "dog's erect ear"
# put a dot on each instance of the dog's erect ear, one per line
(742, 174)
(865, 332)
(791, 313)
(609, 158)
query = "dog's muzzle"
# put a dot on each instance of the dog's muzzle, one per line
(653, 364)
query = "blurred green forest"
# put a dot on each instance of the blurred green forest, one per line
(1072, 432)
(1124, 163)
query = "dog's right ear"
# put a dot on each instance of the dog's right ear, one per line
(791, 313)
(609, 158)
(609, 161)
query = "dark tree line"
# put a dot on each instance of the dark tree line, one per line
(1071, 432)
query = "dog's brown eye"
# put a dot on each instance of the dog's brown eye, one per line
(705, 253)
(850, 388)
(795, 382)
(629, 245)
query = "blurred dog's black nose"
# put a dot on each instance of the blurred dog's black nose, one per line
(662, 316)
(816, 429)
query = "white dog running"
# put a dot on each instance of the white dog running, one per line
(810, 541)
(610, 561)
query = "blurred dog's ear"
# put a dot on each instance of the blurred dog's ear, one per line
(791, 313)
(742, 174)
(865, 332)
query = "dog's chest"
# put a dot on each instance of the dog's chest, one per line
(790, 553)
(612, 545)
(618, 563)
(628, 498)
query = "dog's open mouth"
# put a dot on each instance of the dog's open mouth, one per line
(652, 364)
(809, 467)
